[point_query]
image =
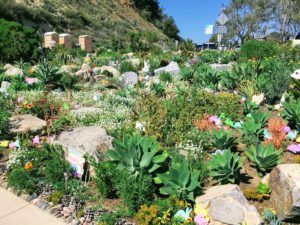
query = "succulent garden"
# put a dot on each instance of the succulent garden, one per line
(155, 137)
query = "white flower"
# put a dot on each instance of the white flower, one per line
(140, 126)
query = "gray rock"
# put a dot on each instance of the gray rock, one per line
(221, 67)
(83, 72)
(227, 205)
(172, 68)
(8, 66)
(92, 140)
(5, 86)
(14, 72)
(75, 222)
(129, 79)
(27, 122)
(112, 70)
(285, 195)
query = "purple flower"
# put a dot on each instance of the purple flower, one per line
(294, 148)
(287, 129)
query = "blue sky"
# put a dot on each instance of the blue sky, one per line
(192, 16)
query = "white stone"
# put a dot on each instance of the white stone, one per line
(285, 191)
(129, 79)
(258, 99)
(21, 123)
(227, 205)
(172, 68)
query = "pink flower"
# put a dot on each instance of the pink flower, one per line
(213, 119)
(12, 145)
(50, 139)
(20, 99)
(36, 140)
(31, 80)
(199, 220)
(294, 148)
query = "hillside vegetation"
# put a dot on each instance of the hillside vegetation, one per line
(105, 20)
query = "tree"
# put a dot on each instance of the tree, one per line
(286, 16)
(241, 19)
(16, 41)
(170, 28)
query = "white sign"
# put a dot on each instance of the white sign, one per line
(219, 38)
(209, 29)
(223, 19)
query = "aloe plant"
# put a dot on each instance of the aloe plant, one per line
(224, 140)
(47, 74)
(263, 157)
(252, 132)
(292, 113)
(137, 154)
(225, 166)
(180, 180)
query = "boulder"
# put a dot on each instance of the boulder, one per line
(172, 68)
(5, 86)
(8, 66)
(129, 79)
(134, 61)
(227, 205)
(285, 195)
(83, 72)
(27, 122)
(97, 71)
(13, 71)
(221, 67)
(258, 99)
(112, 70)
(100, 77)
(67, 69)
(91, 140)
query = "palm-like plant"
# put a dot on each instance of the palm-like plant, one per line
(48, 75)
(292, 113)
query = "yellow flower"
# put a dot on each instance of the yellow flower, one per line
(4, 144)
(105, 82)
(201, 211)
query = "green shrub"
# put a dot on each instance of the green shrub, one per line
(224, 140)
(273, 80)
(136, 191)
(4, 115)
(106, 178)
(210, 56)
(16, 41)
(48, 74)
(180, 180)
(263, 157)
(225, 167)
(127, 66)
(258, 49)
(162, 118)
(55, 197)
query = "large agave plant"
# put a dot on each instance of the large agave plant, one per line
(263, 157)
(224, 140)
(180, 180)
(292, 113)
(137, 154)
(225, 166)
(48, 75)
